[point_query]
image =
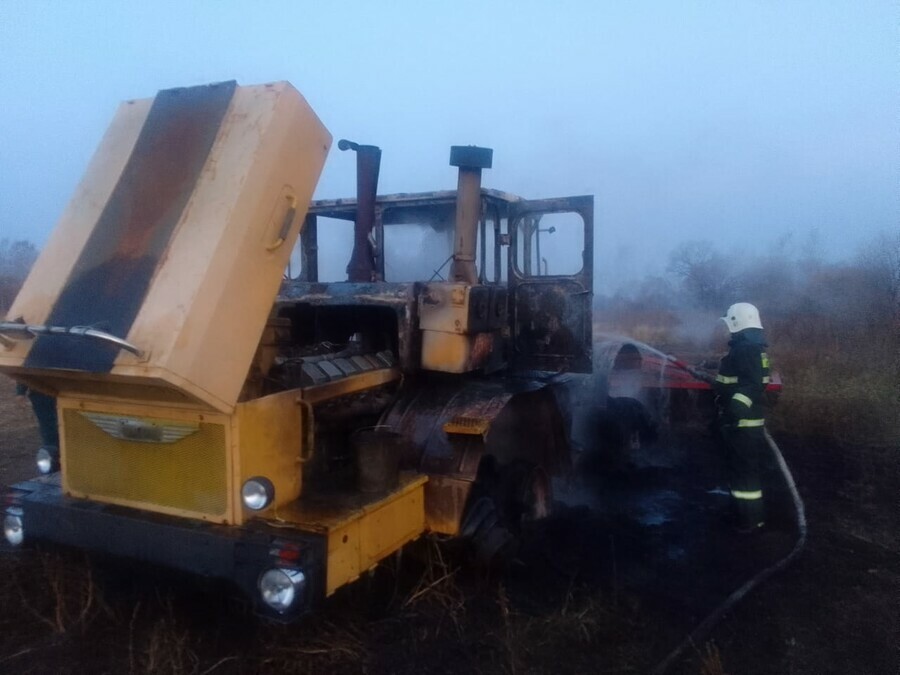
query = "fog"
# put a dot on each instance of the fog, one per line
(739, 123)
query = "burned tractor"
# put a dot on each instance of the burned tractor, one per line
(288, 432)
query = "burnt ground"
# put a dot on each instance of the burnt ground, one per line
(634, 558)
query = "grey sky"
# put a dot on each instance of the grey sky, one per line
(735, 121)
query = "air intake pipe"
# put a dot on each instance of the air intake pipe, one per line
(361, 267)
(471, 160)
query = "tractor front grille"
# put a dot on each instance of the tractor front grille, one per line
(150, 463)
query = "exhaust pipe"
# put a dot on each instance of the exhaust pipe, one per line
(361, 267)
(471, 160)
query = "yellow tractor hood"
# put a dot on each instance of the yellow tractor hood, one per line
(158, 279)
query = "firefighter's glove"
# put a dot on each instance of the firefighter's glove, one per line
(724, 423)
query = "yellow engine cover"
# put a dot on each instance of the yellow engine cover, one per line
(176, 241)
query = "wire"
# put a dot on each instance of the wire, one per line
(705, 627)
(437, 272)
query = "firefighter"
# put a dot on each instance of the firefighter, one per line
(740, 384)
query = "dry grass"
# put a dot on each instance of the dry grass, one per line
(437, 583)
(711, 660)
(826, 401)
(72, 599)
(165, 647)
(325, 645)
(841, 380)
(585, 632)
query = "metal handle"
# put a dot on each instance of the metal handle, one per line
(30, 331)
(286, 223)
(307, 429)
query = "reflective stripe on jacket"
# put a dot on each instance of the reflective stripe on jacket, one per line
(742, 378)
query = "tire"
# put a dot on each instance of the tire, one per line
(503, 501)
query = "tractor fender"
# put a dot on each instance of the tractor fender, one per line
(450, 424)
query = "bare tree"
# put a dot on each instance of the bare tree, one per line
(704, 273)
(881, 260)
(881, 263)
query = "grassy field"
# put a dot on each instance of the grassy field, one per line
(834, 611)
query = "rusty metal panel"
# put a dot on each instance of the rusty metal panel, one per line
(460, 308)
(349, 385)
(445, 501)
(421, 411)
(552, 326)
(513, 419)
(401, 298)
(551, 315)
(413, 207)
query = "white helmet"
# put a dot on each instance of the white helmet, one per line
(741, 315)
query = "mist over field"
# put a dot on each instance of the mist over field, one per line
(735, 151)
(739, 124)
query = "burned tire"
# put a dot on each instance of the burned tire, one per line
(527, 493)
(504, 500)
(623, 427)
(536, 494)
(492, 543)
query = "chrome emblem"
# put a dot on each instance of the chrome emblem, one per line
(142, 430)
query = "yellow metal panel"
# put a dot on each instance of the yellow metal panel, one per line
(268, 436)
(343, 556)
(467, 426)
(187, 477)
(329, 511)
(361, 529)
(149, 390)
(381, 529)
(389, 527)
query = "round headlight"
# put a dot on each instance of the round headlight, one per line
(280, 588)
(257, 493)
(13, 529)
(45, 461)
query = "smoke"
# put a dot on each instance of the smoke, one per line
(795, 288)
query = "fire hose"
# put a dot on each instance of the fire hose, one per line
(703, 629)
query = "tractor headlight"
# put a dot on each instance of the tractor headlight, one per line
(13, 528)
(45, 461)
(257, 493)
(281, 588)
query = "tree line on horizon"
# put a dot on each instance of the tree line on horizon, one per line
(787, 281)
(864, 289)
